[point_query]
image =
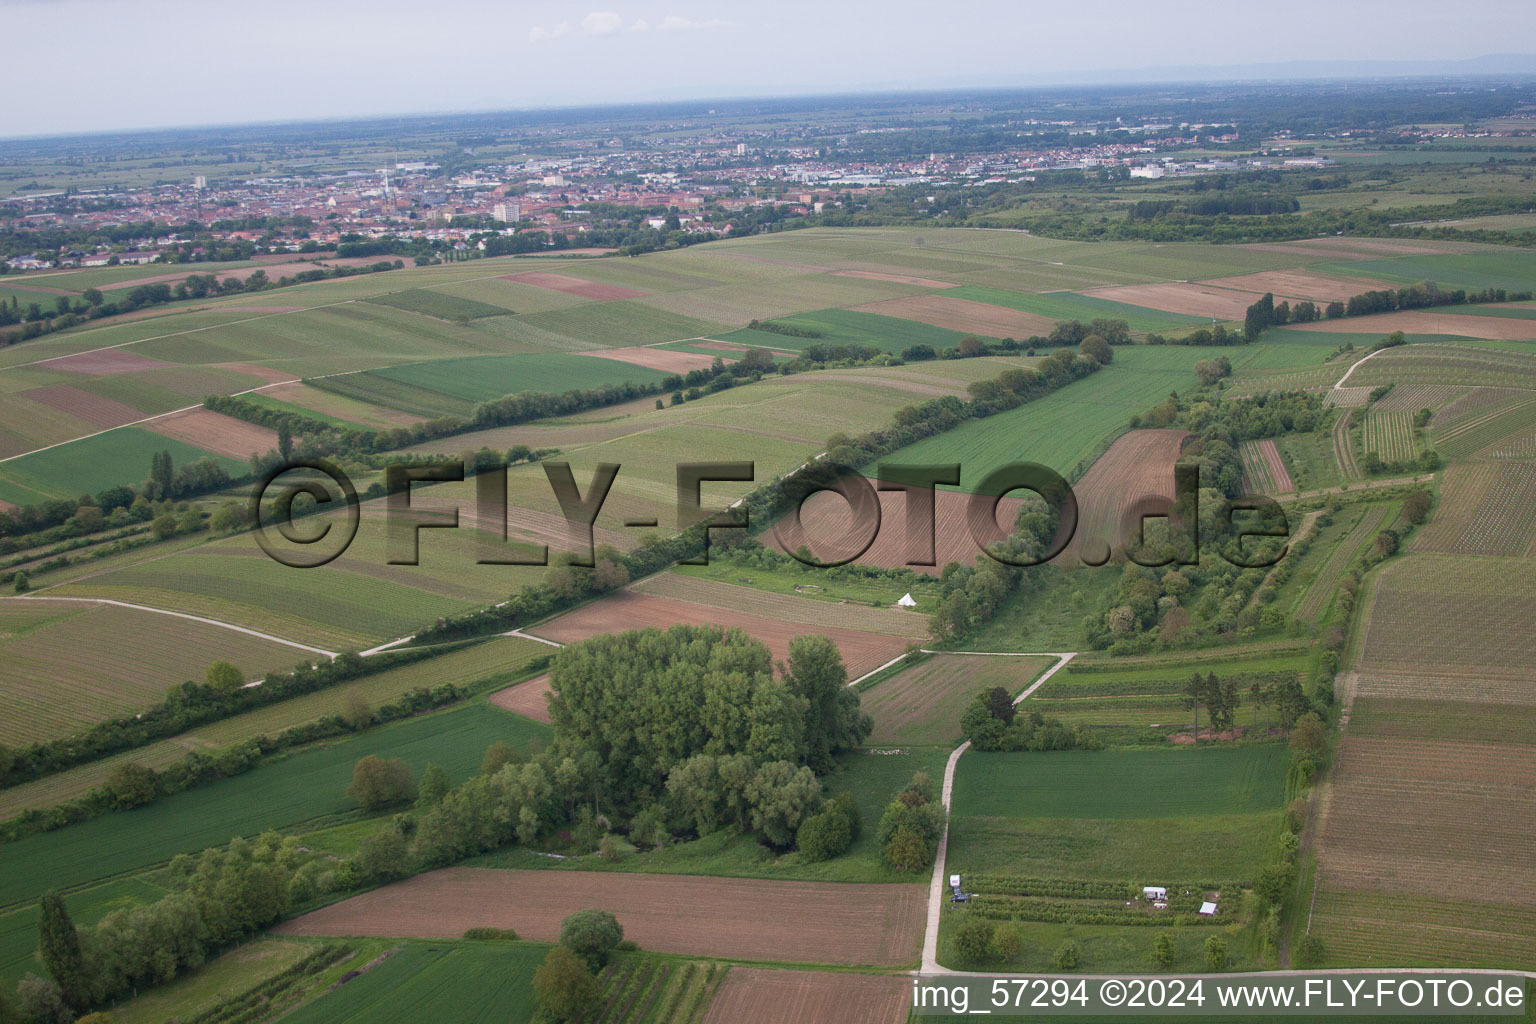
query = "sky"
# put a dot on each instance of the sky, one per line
(93, 65)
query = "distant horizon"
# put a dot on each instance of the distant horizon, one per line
(1324, 71)
(139, 65)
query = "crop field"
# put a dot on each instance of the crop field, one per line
(471, 982)
(1390, 435)
(95, 463)
(353, 602)
(888, 333)
(1473, 271)
(1320, 592)
(1490, 426)
(861, 651)
(439, 304)
(1481, 612)
(1063, 430)
(1072, 306)
(1133, 477)
(1075, 784)
(1192, 813)
(756, 996)
(236, 971)
(303, 787)
(1431, 815)
(941, 309)
(785, 607)
(503, 658)
(371, 388)
(923, 704)
(827, 529)
(1343, 447)
(1264, 469)
(64, 665)
(482, 378)
(336, 410)
(1413, 397)
(1441, 363)
(1486, 509)
(739, 918)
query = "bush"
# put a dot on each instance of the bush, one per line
(1216, 953)
(824, 836)
(1007, 940)
(491, 934)
(378, 783)
(563, 986)
(1309, 952)
(1162, 951)
(591, 935)
(1066, 957)
(973, 939)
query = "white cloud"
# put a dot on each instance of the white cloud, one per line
(675, 23)
(538, 34)
(640, 26)
(602, 23)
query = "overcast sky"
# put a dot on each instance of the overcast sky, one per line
(85, 65)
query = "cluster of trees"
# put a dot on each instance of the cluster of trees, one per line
(566, 984)
(1266, 313)
(720, 698)
(911, 826)
(216, 899)
(1239, 205)
(1212, 370)
(993, 722)
(1203, 337)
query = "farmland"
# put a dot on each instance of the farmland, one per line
(68, 665)
(116, 457)
(303, 787)
(1320, 591)
(1390, 435)
(472, 981)
(923, 704)
(500, 659)
(1264, 469)
(862, 651)
(744, 919)
(756, 996)
(1134, 477)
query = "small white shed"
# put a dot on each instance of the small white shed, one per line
(907, 601)
(1208, 908)
(1154, 892)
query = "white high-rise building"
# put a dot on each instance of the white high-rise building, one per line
(507, 213)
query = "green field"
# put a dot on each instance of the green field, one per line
(303, 787)
(1065, 428)
(1513, 271)
(428, 983)
(1072, 306)
(1122, 783)
(482, 378)
(502, 660)
(436, 303)
(95, 463)
(847, 327)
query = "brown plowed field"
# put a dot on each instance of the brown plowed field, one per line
(962, 315)
(871, 275)
(298, 393)
(629, 610)
(1492, 328)
(273, 271)
(752, 995)
(103, 363)
(665, 360)
(1137, 468)
(738, 918)
(1189, 299)
(1317, 287)
(216, 432)
(526, 698)
(827, 529)
(93, 409)
(573, 285)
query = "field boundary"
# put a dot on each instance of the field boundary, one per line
(195, 618)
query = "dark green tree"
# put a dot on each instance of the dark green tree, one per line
(58, 944)
(591, 935)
